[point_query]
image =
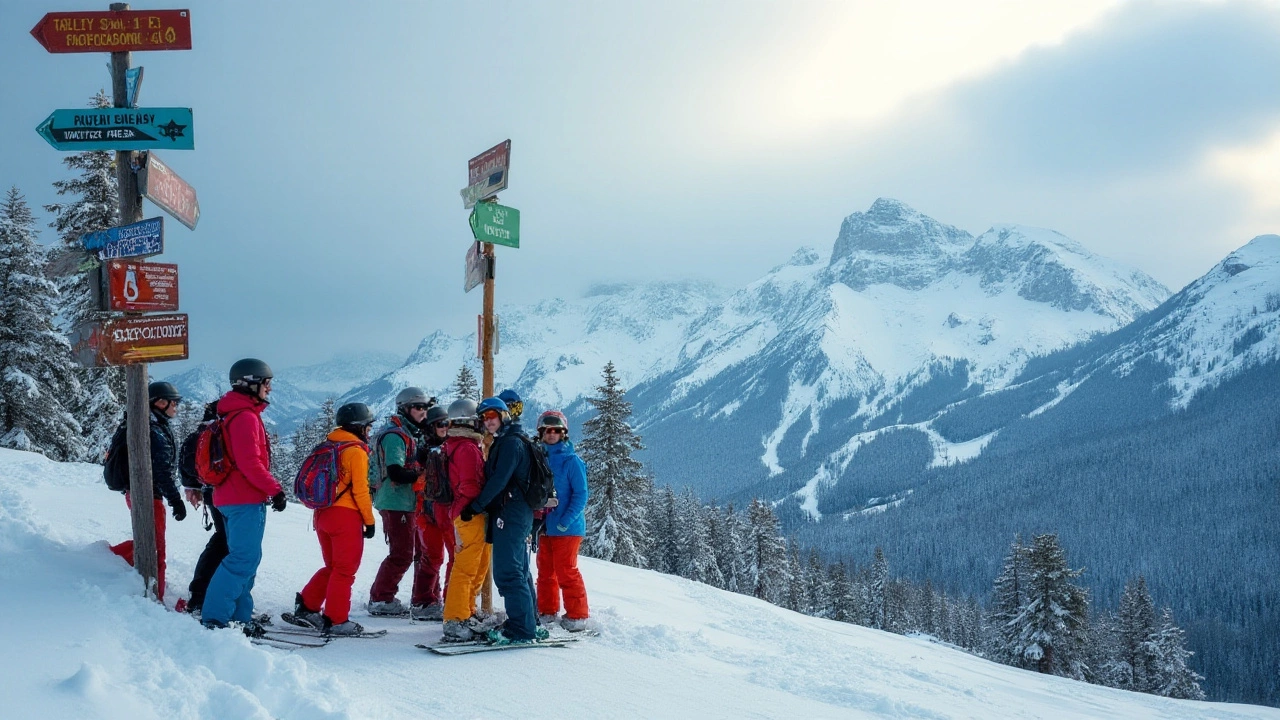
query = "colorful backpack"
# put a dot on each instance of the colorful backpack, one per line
(436, 487)
(316, 485)
(213, 456)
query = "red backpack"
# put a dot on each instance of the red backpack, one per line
(213, 452)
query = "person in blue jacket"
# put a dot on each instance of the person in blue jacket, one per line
(565, 526)
(510, 521)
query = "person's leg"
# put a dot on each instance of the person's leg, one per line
(234, 577)
(214, 551)
(548, 586)
(429, 556)
(571, 582)
(313, 595)
(161, 520)
(125, 549)
(511, 569)
(399, 531)
(346, 530)
(468, 570)
(448, 540)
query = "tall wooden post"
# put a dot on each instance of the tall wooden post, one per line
(487, 391)
(137, 407)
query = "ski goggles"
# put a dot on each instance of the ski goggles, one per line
(490, 415)
(556, 430)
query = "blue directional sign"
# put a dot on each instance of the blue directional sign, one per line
(119, 129)
(137, 240)
(132, 84)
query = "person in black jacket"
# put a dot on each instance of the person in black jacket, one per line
(197, 494)
(164, 398)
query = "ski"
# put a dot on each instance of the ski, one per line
(286, 643)
(298, 628)
(478, 646)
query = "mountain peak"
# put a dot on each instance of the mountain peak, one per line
(894, 243)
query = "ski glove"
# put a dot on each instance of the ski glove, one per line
(369, 530)
(179, 510)
(467, 514)
(279, 502)
(399, 475)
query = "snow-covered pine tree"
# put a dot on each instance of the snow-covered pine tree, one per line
(897, 607)
(662, 552)
(1053, 622)
(844, 602)
(736, 555)
(310, 433)
(617, 529)
(818, 589)
(768, 563)
(1173, 678)
(697, 559)
(877, 581)
(38, 384)
(92, 204)
(721, 547)
(943, 618)
(465, 385)
(926, 609)
(1008, 597)
(795, 599)
(1134, 667)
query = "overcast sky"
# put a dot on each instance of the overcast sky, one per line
(657, 140)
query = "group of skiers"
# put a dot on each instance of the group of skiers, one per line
(425, 472)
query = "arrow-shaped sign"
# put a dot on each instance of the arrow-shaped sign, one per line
(494, 223)
(119, 129)
(137, 240)
(114, 31)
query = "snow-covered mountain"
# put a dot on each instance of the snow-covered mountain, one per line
(93, 648)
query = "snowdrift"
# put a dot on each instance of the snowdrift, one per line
(80, 642)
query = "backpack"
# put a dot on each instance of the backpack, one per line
(187, 460)
(541, 490)
(115, 468)
(436, 487)
(317, 480)
(213, 457)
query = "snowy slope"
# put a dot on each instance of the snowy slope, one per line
(90, 649)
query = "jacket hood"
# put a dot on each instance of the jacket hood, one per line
(464, 434)
(564, 447)
(239, 401)
(341, 436)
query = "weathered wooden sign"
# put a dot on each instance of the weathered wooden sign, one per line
(162, 186)
(130, 340)
(134, 286)
(114, 31)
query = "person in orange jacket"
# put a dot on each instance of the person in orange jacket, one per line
(325, 603)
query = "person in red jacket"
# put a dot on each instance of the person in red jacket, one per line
(342, 528)
(243, 496)
(472, 554)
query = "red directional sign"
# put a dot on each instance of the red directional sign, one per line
(107, 31)
(162, 186)
(128, 340)
(141, 286)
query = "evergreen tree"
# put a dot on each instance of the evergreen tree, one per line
(768, 564)
(844, 602)
(817, 590)
(1172, 676)
(93, 204)
(1008, 597)
(285, 462)
(1134, 667)
(926, 614)
(617, 530)
(897, 611)
(1053, 623)
(465, 385)
(696, 558)
(39, 380)
(795, 599)
(733, 557)
(877, 609)
(721, 547)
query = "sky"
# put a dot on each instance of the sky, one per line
(660, 140)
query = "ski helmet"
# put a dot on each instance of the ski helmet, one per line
(515, 405)
(413, 396)
(463, 412)
(249, 371)
(493, 404)
(161, 390)
(354, 414)
(435, 415)
(553, 419)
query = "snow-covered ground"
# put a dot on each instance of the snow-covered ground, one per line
(80, 643)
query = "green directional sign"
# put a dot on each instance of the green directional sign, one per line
(497, 224)
(119, 129)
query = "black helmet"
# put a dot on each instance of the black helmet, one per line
(249, 371)
(436, 414)
(161, 390)
(354, 414)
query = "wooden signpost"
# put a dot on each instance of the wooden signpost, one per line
(131, 340)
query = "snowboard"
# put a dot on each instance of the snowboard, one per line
(297, 627)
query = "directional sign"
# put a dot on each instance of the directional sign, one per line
(129, 340)
(141, 286)
(137, 240)
(163, 187)
(121, 31)
(478, 268)
(494, 223)
(487, 174)
(119, 129)
(132, 84)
